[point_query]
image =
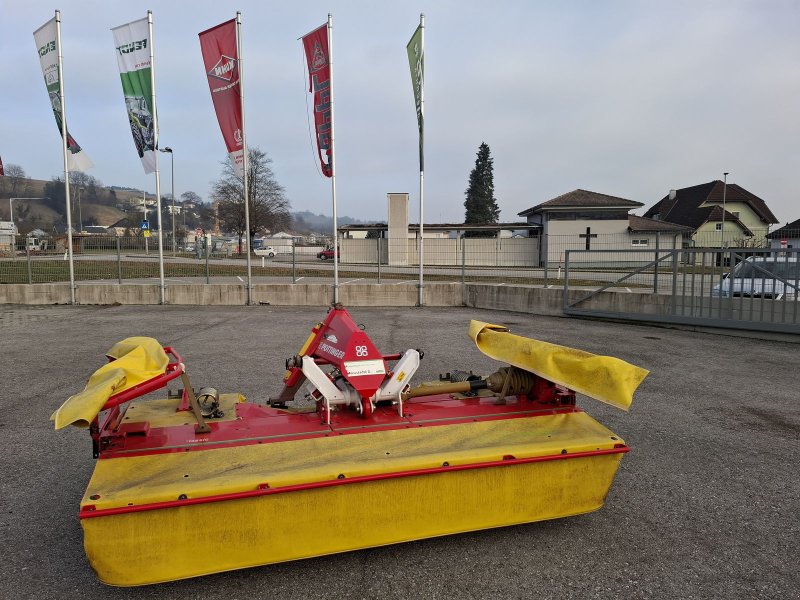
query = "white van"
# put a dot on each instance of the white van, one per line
(762, 277)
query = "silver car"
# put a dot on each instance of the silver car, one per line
(762, 277)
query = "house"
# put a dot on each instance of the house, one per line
(8, 231)
(746, 219)
(96, 229)
(586, 220)
(787, 236)
(120, 227)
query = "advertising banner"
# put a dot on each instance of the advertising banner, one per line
(132, 42)
(319, 74)
(221, 59)
(416, 61)
(47, 46)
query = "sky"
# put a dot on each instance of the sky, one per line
(629, 98)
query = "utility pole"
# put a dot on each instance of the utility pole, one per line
(172, 178)
(724, 192)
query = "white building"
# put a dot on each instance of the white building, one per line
(585, 220)
(7, 232)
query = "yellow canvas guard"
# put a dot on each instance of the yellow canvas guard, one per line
(197, 538)
(603, 378)
(136, 359)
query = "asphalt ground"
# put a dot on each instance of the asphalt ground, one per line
(704, 506)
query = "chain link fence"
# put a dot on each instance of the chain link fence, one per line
(533, 260)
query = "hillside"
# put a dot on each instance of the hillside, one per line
(44, 214)
(99, 206)
(305, 221)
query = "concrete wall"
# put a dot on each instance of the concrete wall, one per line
(436, 294)
(517, 298)
(398, 229)
(491, 252)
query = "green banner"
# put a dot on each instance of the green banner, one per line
(416, 60)
(132, 42)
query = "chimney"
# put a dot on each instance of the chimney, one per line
(672, 194)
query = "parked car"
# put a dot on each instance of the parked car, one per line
(762, 277)
(326, 254)
(267, 251)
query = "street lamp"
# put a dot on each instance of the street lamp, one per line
(724, 191)
(172, 177)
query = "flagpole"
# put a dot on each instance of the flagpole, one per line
(420, 297)
(333, 171)
(155, 153)
(244, 157)
(66, 161)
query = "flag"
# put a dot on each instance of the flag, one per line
(416, 60)
(319, 75)
(2, 172)
(132, 42)
(47, 44)
(221, 58)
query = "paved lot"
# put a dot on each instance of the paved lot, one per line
(704, 506)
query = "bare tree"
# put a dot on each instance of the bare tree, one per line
(16, 181)
(269, 208)
(79, 179)
(191, 197)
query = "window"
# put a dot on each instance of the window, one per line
(718, 227)
(735, 213)
(640, 243)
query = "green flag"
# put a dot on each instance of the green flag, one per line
(132, 42)
(416, 60)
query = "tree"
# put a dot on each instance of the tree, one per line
(481, 205)
(55, 194)
(79, 179)
(268, 206)
(374, 234)
(191, 197)
(15, 181)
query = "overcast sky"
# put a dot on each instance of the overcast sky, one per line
(628, 98)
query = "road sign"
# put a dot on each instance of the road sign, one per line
(198, 232)
(146, 233)
(145, 225)
(784, 243)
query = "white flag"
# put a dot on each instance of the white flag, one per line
(47, 44)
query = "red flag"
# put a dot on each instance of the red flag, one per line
(221, 57)
(319, 75)
(1, 168)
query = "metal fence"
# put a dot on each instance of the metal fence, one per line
(98, 259)
(683, 278)
(744, 288)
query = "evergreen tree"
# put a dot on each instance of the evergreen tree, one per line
(481, 205)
